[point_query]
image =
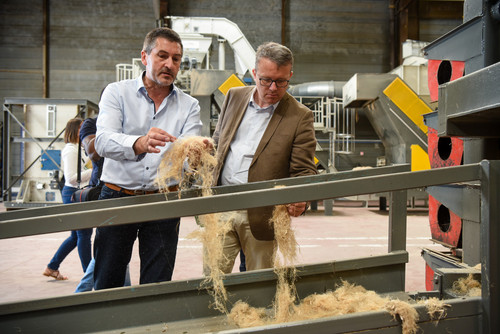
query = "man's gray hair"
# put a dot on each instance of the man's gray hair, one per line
(164, 32)
(277, 53)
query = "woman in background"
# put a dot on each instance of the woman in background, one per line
(80, 238)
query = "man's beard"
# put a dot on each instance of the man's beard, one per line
(162, 83)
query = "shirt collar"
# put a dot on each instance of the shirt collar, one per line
(260, 109)
(142, 89)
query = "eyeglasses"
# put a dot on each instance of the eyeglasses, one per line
(280, 83)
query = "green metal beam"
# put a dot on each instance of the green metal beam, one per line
(115, 213)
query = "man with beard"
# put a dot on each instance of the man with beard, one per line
(138, 121)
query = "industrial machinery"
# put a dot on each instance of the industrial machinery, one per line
(396, 113)
(32, 143)
(463, 72)
(335, 122)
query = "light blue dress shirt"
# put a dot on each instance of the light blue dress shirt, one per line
(245, 142)
(126, 113)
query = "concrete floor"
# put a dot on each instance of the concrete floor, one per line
(352, 231)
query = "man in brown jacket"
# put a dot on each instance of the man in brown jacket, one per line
(263, 133)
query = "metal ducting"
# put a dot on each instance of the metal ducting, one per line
(330, 89)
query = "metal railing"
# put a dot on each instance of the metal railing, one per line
(393, 179)
(128, 71)
(330, 116)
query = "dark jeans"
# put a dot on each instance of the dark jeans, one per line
(113, 249)
(80, 239)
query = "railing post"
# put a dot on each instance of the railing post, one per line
(397, 220)
(490, 250)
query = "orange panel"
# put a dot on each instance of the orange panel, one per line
(444, 151)
(446, 226)
(440, 72)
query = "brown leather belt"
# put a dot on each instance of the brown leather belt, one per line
(137, 192)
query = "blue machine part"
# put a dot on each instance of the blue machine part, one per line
(50, 196)
(47, 163)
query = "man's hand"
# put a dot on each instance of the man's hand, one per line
(148, 143)
(296, 209)
(196, 149)
(208, 144)
(88, 144)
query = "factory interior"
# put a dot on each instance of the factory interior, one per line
(406, 106)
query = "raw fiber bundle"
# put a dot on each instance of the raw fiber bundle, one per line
(188, 161)
(467, 287)
(346, 299)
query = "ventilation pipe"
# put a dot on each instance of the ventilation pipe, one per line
(330, 89)
(244, 54)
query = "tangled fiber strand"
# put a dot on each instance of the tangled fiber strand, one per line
(285, 297)
(406, 313)
(286, 245)
(211, 234)
(284, 237)
(435, 308)
(467, 287)
(244, 315)
(346, 299)
(188, 161)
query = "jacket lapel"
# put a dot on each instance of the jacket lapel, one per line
(271, 127)
(240, 109)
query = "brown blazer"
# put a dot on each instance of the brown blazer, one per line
(286, 149)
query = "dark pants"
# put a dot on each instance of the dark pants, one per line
(79, 239)
(113, 249)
